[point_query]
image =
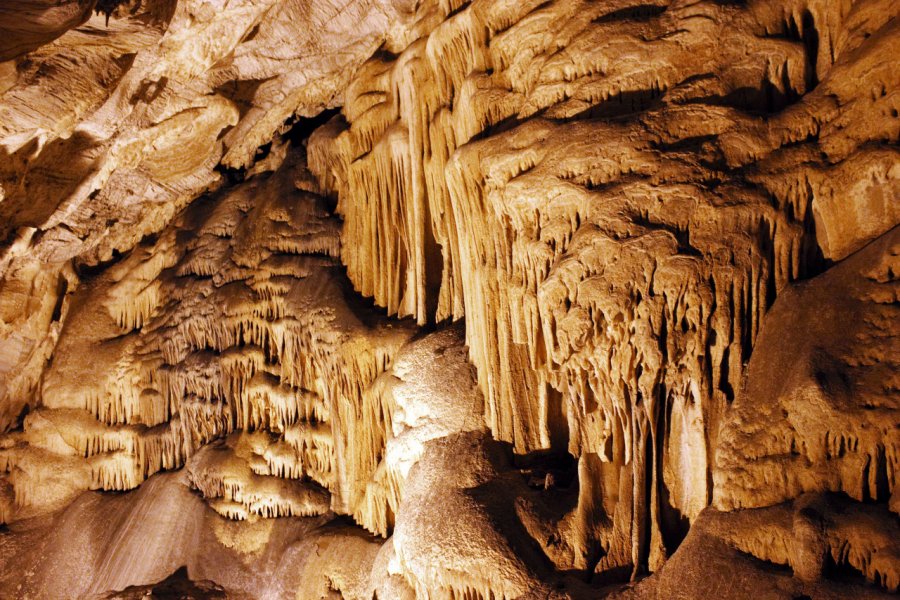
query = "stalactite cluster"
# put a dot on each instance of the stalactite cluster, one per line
(450, 299)
(232, 319)
(613, 251)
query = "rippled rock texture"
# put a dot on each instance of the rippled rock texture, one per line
(443, 299)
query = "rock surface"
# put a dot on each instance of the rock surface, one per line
(448, 299)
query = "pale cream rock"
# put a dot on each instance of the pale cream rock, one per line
(570, 293)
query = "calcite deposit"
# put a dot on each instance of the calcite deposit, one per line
(447, 299)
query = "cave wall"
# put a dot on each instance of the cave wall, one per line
(613, 199)
(562, 287)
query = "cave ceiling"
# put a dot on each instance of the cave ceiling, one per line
(437, 299)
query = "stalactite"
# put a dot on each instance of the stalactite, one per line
(580, 258)
(252, 344)
(619, 200)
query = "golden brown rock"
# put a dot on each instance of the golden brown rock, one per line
(568, 294)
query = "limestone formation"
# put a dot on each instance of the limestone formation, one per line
(450, 299)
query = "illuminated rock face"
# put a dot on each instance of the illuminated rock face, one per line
(563, 288)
